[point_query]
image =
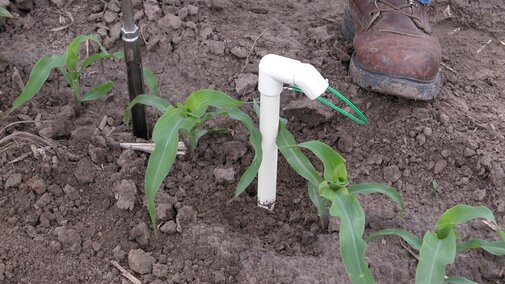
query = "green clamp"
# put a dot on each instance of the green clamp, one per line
(360, 120)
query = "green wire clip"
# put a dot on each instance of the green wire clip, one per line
(362, 120)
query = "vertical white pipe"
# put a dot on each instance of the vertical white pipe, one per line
(274, 71)
(269, 127)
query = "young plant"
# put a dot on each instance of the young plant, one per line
(5, 13)
(188, 119)
(68, 65)
(332, 195)
(438, 249)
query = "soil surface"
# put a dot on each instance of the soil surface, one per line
(71, 200)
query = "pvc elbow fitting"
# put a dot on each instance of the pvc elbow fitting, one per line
(275, 71)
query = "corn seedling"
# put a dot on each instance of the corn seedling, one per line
(5, 13)
(188, 119)
(438, 249)
(331, 194)
(68, 65)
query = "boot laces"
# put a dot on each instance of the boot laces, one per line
(399, 9)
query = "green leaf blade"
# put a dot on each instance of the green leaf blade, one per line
(5, 13)
(72, 52)
(197, 134)
(352, 226)
(408, 237)
(151, 82)
(97, 56)
(166, 140)
(38, 77)
(98, 92)
(319, 202)
(368, 188)
(459, 280)
(460, 214)
(255, 139)
(198, 102)
(434, 256)
(494, 247)
(157, 102)
(295, 157)
(334, 164)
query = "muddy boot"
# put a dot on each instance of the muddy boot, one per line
(395, 51)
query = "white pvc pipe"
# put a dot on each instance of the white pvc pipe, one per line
(267, 174)
(274, 72)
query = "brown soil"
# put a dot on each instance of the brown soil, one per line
(59, 222)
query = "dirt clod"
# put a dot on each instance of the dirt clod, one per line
(140, 262)
(185, 216)
(234, 150)
(140, 233)
(71, 193)
(391, 173)
(68, 236)
(160, 270)
(13, 180)
(152, 10)
(85, 171)
(169, 227)
(224, 174)
(170, 22)
(118, 253)
(246, 83)
(37, 184)
(216, 47)
(440, 166)
(125, 193)
(497, 176)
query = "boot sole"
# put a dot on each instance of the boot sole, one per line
(387, 84)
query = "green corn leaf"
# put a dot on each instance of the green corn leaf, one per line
(459, 280)
(321, 203)
(334, 164)
(367, 188)
(255, 139)
(501, 233)
(211, 114)
(295, 157)
(151, 82)
(118, 55)
(460, 214)
(302, 166)
(198, 102)
(72, 53)
(434, 256)
(92, 59)
(408, 237)
(494, 247)
(98, 92)
(38, 77)
(5, 13)
(97, 56)
(352, 225)
(196, 134)
(66, 75)
(157, 102)
(166, 140)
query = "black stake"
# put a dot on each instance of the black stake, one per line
(134, 68)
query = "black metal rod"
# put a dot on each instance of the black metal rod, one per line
(134, 69)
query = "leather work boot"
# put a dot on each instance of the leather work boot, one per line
(394, 50)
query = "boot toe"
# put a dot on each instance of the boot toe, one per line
(400, 56)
